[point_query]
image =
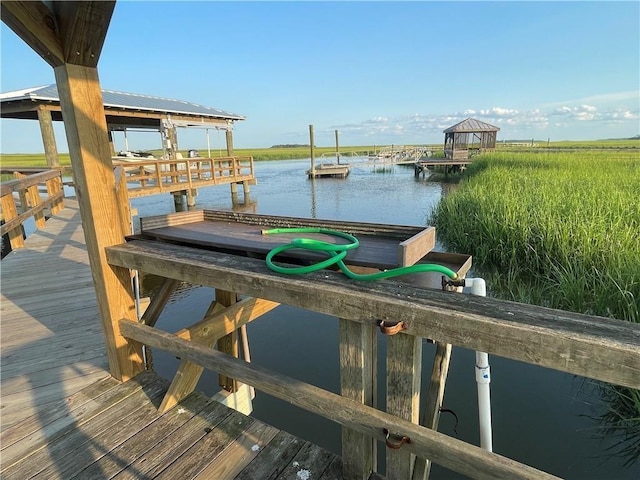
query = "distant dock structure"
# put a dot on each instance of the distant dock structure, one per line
(336, 170)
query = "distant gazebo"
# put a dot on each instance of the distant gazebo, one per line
(468, 137)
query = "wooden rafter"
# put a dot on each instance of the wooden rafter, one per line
(37, 26)
(73, 32)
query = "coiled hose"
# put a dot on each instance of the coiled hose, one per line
(337, 252)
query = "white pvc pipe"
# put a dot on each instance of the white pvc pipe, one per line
(477, 286)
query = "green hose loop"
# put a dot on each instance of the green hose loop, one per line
(337, 252)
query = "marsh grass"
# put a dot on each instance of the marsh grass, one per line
(560, 230)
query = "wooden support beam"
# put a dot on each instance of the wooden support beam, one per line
(48, 136)
(217, 323)
(404, 369)
(86, 129)
(229, 139)
(159, 301)
(433, 403)
(449, 452)
(358, 354)
(37, 25)
(229, 343)
(83, 27)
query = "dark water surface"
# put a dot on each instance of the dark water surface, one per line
(540, 417)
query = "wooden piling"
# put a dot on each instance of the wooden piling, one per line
(313, 156)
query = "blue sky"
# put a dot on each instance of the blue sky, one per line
(379, 72)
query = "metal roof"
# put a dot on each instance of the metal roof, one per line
(471, 125)
(126, 101)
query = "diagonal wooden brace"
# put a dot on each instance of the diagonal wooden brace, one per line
(217, 323)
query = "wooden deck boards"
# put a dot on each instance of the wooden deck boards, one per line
(113, 430)
(50, 334)
(63, 416)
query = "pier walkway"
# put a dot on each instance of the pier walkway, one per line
(62, 414)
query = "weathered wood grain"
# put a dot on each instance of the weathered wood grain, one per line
(416, 247)
(238, 453)
(433, 402)
(404, 372)
(85, 124)
(273, 458)
(146, 439)
(358, 370)
(200, 454)
(586, 345)
(449, 452)
(26, 457)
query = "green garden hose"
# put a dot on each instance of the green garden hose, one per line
(336, 253)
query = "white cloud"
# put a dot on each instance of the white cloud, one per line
(551, 120)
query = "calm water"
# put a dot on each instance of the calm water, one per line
(540, 417)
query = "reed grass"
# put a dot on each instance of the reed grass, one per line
(559, 230)
(555, 229)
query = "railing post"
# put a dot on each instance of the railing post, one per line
(357, 382)
(404, 367)
(229, 343)
(54, 186)
(9, 212)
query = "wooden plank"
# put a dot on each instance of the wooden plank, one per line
(416, 247)
(146, 439)
(202, 453)
(310, 462)
(433, 402)
(442, 449)
(273, 458)
(186, 378)
(81, 448)
(238, 453)
(334, 470)
(36, 25)
(86, 128)
(159, 301)
(173, 447)
(586, 345)
(23, 450)
(171, 219)
(70, 406)
(278, 221)
(358, 382)
(404, 372)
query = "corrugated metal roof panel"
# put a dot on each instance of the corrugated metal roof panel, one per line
(471, 125)
(127, 101)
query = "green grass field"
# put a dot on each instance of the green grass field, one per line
(560, 230)
(260, 154)
(554, 229)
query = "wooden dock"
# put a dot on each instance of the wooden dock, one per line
(63, 415)
(329, 170)
(113, 430)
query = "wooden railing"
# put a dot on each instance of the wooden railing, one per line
(32, 204)
(149, 177)
(589, 346)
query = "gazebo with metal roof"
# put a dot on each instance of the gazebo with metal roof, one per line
(468, 137)
(122, 111)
